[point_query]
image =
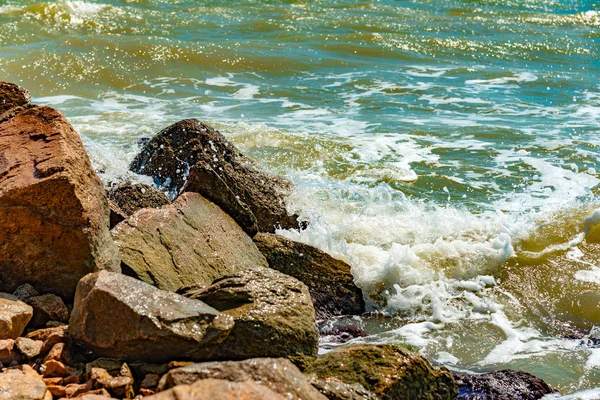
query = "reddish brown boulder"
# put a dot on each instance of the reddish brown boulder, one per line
(191, 241)
(13, 99)
(210, 389)
(193, 157)
(47, 307)
(329, 281)
(53, 208)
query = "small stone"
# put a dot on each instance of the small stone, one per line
(48, 307)
(23, 383)
(150, 381)
(25, 292)
(28, 347)
(55, 368)
(8, 353)
(60, 352)
(75, 389)
(14, 316)
(57, 390)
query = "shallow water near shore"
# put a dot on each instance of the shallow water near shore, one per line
(448, 150)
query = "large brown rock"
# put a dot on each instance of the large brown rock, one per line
(329, 281)
(23, 384)
(191, 156)
(191, 241)
(14, 316)
(278, 374)
(211, 389)
(127, 198)
(53, 207)
(391, 372)
(121, 317)
(273, 313)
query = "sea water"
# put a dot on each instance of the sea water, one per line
(446, 149)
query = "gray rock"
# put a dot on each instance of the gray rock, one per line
(278, 374)
(47, 307)
(501, 385)
(274, 316)
(121, 317)
(193, 157)
(25, 292)
(191, 241)
(14, 316)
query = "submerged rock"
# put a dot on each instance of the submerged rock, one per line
(211, 389)
(127, 198)
(121, 317)
(273, 313)
(278, 374)
(14, 316)
(191, 241)
(53, 208)
(501, 385)
(329, 281)
(391, 372)
(194, 157)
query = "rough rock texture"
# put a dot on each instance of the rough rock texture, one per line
(127, 198)
(279, 374)
(14, 316)
(47, 307)
(121, 317)
(501, 385)
(337, 390)
(188, 242)
(22, 384)
(329, 281)
(219, 172)
(274, 316)
(211, 389)
(25, 292)
(28, 347)
(8, 352)
(13, 99)
(390, 372)
(53, 208)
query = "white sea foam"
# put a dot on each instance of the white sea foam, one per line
(514, 80)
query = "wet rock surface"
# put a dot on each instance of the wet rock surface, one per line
(337, 390)
(52, 201)
(13, 99)
(390, 372)
(329, 281)
(127, 198)
(501, 385)
(278, 374)
(273, 313)
(192, 156)
(191, 241)
(120, 317)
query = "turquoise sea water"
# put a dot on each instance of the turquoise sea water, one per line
(448, 150)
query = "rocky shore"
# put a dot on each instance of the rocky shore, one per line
(133, 293)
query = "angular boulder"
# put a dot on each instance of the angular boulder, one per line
(127, 198)
(193, 157)
(329, 281)
(501, 385)
(273, 313)
(278, 374)
(391, 372)
(13, 99)
(121, 317)
(23, 383)
(191, 241)
(53, 208)
(14, 316)
(211, 389)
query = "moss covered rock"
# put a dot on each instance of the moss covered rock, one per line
(391, 372)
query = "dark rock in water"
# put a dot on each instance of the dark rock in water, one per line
(278, 374)
(121, 317)
(191, 241)
(127, 198)
(53, 208)
(194, 157)
(342, 329)
(501, 385)
(273, 313)
(391, 372)
(329, 281)
(213, 389)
